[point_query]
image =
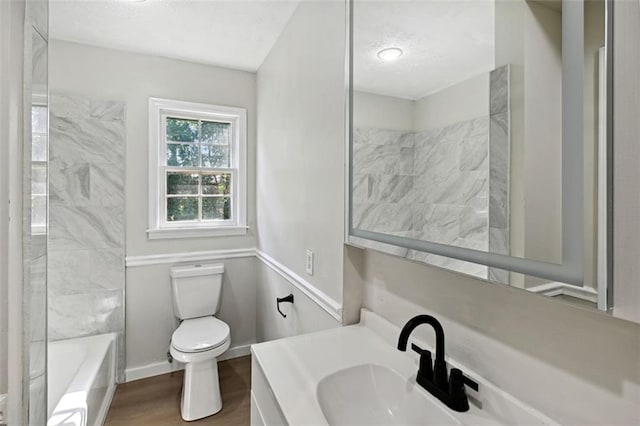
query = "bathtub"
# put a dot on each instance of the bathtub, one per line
(81, 380)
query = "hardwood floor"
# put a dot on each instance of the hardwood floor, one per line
(156, 401)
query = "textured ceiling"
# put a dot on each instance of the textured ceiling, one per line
(444, 42)
(235, 34)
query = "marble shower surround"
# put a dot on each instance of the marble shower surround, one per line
(87, 222)
(392, 170)
(448, 185)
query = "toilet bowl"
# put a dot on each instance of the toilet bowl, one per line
(201, 337)
(198, 343)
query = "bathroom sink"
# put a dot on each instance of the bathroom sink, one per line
(374, 395)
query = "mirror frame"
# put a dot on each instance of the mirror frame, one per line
(571, 270)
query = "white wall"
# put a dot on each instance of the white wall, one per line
(149, 309)
(301, 151)
(462, 101)
(626, 179)
(133, 78)
(382, 112)
(577, 366)
(542, 103)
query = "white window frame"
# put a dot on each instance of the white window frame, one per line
(159, 228)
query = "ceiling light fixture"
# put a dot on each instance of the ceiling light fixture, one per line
(390, 54)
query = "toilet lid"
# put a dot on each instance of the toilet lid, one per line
(200, 334)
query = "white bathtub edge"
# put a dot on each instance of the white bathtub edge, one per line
(164, 367)
(106, 404)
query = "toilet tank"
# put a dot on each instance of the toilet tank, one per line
(196, 289)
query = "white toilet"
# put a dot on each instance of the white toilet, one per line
(201, 338)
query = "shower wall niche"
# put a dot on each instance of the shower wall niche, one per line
(87, 219)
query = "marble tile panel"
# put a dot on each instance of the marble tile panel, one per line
(69, 106)
(382, 137)
(474, 224)
(84, 271)
(38, 315)
(87, 140)
(407, 156)
(499, 240)
(107, 110)
(360, 188)
(437, 158)
(499, 171)
(86, 227)
(499, 90)
(39, 64)
(106, 185)
(37, 357)
(69, 182)
(77, 315)
(383, 217)
(389, 188)
(439, 223)
(38, 246)
(499, 276)
(377, 159)
(38, 400)
(460, 188)
(474, 153)
(479, 126)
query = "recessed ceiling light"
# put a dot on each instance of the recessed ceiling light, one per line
(390, 53)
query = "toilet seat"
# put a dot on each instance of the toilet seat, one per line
(200, 335)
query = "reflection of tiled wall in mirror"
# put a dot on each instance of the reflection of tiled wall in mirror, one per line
(440, 185)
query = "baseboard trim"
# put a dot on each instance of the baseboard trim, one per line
(332, 307)
(556, 289)
(164, 367)
(197, 256)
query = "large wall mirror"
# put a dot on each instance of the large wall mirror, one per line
(479, 139)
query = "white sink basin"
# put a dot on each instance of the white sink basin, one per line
(373, 395)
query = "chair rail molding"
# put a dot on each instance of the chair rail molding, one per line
(195, 256)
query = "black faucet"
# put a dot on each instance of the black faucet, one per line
(450, 390)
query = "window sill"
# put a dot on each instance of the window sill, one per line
(169, 233)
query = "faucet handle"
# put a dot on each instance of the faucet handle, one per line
(426, 367)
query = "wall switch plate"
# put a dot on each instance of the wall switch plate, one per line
(309, 262)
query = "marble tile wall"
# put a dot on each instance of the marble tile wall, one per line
(499, 168)
(87, 223)
(448, 185)
(429, 186)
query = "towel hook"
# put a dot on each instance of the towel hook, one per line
(288, 299)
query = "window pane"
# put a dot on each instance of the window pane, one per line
(38, 210)
(39, 118)
(39, 147)
(216, 184)
(216, 208)
(216, 133)
(180, 130)
(182, 155)
(179, 208)
(182, 183)
(39, 179)
(215, 156)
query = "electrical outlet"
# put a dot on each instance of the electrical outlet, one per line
(309, 262)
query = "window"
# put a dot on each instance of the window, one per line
(197, 170)
(39, 154)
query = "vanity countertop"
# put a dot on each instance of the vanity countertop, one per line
(294, 367)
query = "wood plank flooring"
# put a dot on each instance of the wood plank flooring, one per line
(156, 400)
